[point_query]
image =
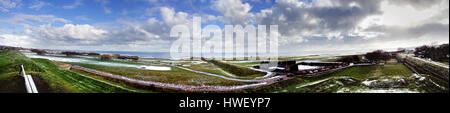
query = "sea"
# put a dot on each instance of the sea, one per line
(164, 55)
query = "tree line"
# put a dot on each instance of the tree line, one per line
(433, 52)
(370, 57)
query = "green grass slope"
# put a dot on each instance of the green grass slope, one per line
(57, 80)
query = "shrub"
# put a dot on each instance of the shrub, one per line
(39, 52)
(105, 57)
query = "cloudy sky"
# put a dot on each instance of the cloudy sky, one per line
(305, 26)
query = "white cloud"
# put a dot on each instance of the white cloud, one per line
(353, 24)
(69, 33)
(38, 5)
(82, 18)
(107, 10)
(234, 11)
(417, 4)
(16, 40)
(104, 3)
(6, 5)
(406, 15)
(74, 5)
(32, 19)
(171, 17)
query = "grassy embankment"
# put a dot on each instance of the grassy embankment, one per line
(445, 62)
(211, 68)
(424, 66)
(9, 67)
(237, 70)
(175, 76)
(325, 58)
(246, 64)
(54, 79)
(206, 67)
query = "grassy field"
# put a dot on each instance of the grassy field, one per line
(247, 64)
(391, 61)
(364, 72)
(85, 83)
(206, 67)
(56, 79)
(9, 62)
(176, 76)
(210, 68)
(237, 70)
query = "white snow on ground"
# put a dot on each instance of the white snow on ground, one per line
(157, 68)
(181, 61)
(306, 67)
(311, 60)
(85, 56)
(243, 61)
(368, 83)
(197, 62)
(421, 78)
(77, 60)
(384, 91)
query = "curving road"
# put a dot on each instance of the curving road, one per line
(178, 86)
(221, 76)
(259, 82)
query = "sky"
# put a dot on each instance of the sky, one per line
(304, 26)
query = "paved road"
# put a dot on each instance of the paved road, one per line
(229, 74)
(268, 73)
(221, 76)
